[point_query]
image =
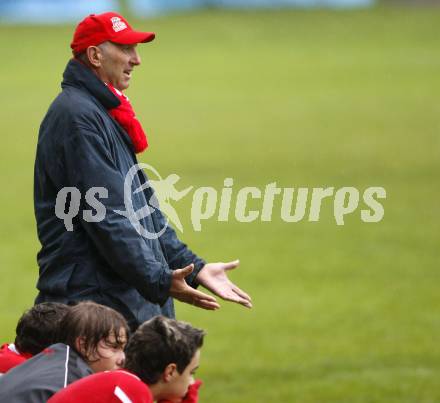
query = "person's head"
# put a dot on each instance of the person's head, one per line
(98, 333)
(38, 327)
(165, 354)
(107, 44)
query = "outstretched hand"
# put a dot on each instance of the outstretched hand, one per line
(214, 278)
(183, 292)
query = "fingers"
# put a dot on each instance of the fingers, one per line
(231, 265)
(205, 304)
(228, 291)
(238, 296)
(232, 296)
(202, 300)
(246, 303)
(241, 293)
(198, 295)
(239, 300)
(181, 291)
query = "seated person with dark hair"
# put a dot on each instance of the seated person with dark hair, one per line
(161, 359)
(36, 329)
(92, 339)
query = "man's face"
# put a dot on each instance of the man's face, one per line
(109, 354)
(177, 387)
(117, 64)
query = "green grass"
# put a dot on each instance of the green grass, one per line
(342, 313)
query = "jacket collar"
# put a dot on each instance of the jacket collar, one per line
(80, 76)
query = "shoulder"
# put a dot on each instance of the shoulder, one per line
(10, 358)
(128, 387)
(75, 108)
(74, 100)
(111, 386)
(40, 375)
(54, 355)
(124, 380)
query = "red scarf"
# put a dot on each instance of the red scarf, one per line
(125, 116)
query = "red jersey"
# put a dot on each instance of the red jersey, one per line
(105, 387)
(10, 357)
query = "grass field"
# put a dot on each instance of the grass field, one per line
(314, 99)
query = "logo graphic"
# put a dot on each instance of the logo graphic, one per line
(157, 195)
(162, 191)
(118, 25)
(165, 191)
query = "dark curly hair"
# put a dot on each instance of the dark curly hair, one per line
(38, 327)
(159, 342)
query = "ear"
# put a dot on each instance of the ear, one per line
(80, 345)
(169, 372)
(94, 56)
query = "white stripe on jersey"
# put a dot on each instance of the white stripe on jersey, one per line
(120, 394)
(66, 366)
(11, 347)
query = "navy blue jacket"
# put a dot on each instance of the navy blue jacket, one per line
(80, 145)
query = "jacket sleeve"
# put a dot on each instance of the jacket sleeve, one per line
(177, 253)
(89, 164)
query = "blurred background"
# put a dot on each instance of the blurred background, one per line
(304, 93)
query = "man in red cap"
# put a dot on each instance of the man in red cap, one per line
(86, 148)
(97, 35)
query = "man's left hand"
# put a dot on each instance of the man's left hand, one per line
(214, 278)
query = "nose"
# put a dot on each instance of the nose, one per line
(135, 59)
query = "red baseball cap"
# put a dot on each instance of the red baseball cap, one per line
(98, 28)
